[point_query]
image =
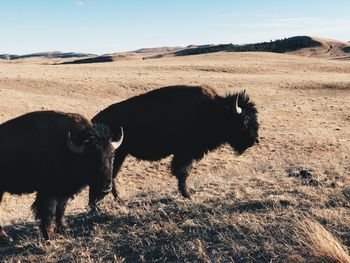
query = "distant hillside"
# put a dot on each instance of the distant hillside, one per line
(157, 50)
(327, 48)
(278, 46)
(298, 45)
(96, 59)
(54, 54)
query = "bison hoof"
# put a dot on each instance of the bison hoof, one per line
(62, 229)
(186, 195)
(4, 238)
(49, 234)
(94, 211)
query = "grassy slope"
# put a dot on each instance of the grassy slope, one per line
(253, 208)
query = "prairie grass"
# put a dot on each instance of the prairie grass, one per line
(286, 200)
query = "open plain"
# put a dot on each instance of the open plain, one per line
(286, 200)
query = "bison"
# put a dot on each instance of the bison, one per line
(186, 121)
(54, 154)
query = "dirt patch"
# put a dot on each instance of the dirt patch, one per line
(307, 176)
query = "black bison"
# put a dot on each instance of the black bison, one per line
(185, 121)
(54, 154)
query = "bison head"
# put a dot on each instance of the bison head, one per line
(243, 124)
(97, 154)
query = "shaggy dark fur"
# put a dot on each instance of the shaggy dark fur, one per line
(35, 157)
(184, 121)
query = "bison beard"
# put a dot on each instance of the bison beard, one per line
(185, 121)
(54, 154)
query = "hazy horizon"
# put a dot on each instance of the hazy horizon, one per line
(101, 27)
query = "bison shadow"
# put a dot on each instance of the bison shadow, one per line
(29, 241)
(175, 223)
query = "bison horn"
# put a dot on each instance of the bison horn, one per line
(238, 109)
(117, 144)
(79, 149)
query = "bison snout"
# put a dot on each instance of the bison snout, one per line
(257, 141)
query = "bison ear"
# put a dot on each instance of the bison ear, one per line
(117, 144)
(78, 149)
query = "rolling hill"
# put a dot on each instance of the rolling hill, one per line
(299, 45)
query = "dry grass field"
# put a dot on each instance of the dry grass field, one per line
(286, 200)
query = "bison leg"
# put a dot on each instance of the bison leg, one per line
(118, 162)
(44, 210)
(3, 235)
(61, 224)
(180, 167)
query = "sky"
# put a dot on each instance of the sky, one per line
(107, 26)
